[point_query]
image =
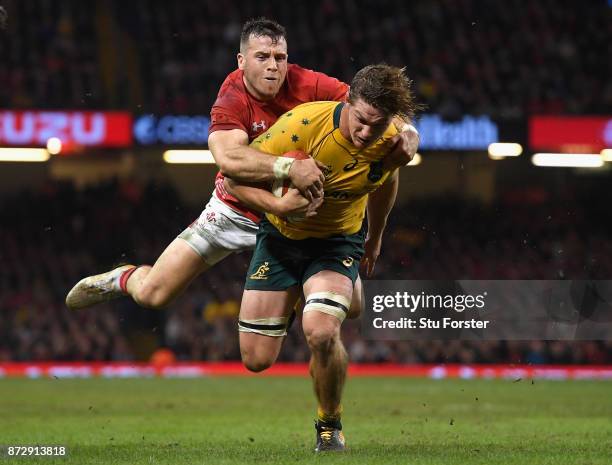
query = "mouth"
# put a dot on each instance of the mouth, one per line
(270, 79)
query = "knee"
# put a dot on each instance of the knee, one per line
(256, 365)
(151, 296)
(256, 361)
(321, 339)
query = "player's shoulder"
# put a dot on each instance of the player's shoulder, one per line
(232, 91)
(313, 109)
(232, 80)
(296, 72)
(313, 85)
(303, 78)
(310, 116)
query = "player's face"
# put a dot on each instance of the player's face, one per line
(366, 124)
(265, 66)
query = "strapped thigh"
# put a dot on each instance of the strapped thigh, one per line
(275, 327)
(328, 302)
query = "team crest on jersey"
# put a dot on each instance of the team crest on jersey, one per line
(261, 272)
(376, 171)
(259, 126)
(348, 262)
(351, 166)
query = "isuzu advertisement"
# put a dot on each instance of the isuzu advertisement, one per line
(72, 128)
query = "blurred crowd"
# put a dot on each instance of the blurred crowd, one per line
(505, 59)
(53, 237)
(50, 56)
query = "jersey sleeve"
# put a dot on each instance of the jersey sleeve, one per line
(228, 111)
(223, 120)
(330, 89)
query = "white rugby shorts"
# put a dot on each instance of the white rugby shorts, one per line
(219, 231)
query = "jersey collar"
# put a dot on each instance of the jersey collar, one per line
(337, 113)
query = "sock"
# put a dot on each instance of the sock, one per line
(331, 419)
(123, 278)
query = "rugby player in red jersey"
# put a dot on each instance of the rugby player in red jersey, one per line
(250, 100)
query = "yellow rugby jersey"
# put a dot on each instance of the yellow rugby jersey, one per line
(350, 173)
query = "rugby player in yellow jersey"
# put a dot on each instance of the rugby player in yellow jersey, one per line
(320, 255)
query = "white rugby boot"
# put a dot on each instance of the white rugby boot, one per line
(95, 289)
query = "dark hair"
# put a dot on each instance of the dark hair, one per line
(261, 27)
(386, 88)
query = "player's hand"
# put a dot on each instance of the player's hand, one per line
(295, 204)
(313, 207)
(372, 251)
(307, 177)
(403, 148)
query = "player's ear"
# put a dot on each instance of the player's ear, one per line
(241, 60)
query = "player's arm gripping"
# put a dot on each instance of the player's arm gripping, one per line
(236, 159)
(291, 204)
(380, 203)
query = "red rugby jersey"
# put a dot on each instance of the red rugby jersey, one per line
(235, 108)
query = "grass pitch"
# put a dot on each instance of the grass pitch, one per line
(270, 421)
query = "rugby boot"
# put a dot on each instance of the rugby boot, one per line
(329, 436)
(96, 289)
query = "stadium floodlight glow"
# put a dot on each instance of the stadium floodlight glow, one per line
(54, 145)
(606, 155)
(23, 154)
(416, 160)
(568, 160)
(189, 157)
(500, 150)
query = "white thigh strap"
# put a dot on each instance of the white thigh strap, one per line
(275, 326)
(328, 302)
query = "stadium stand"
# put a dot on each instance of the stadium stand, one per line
(442, 238)
(154, 56)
